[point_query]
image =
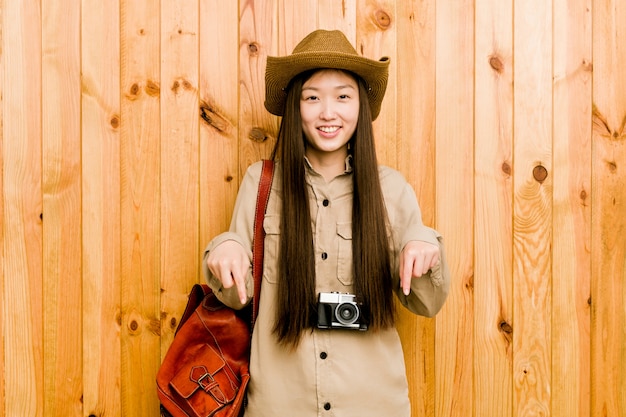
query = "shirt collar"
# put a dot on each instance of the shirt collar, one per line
(348, 162)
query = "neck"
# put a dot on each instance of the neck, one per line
(328, 166)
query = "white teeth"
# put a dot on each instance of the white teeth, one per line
(328, 129)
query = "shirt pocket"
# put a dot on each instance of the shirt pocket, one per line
(344, 253)
(271, 225)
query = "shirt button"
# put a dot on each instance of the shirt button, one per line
(323, 355)
(324, 256)
(327, 406)
(325, 202)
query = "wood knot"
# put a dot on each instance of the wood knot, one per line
(173, 322)
(152, 88)
(469, 285)
(154, 326)
(133, 92)
(505, 327)
(253, 48)
(601, 125)
(540, 173)
(115, 121)
(612, 165)
(257, 135)
(211, 116)
(506, 168)
(177, 84)
(382, 19)
(496, 64)
(228, 178)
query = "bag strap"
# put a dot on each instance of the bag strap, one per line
(258, 240)
(197, 294)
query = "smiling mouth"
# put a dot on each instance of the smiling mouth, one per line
(328, 129)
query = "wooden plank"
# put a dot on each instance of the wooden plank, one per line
(22, 209)
(608, 223)
(140, 205)
(257, 40)
(376, 37)
(455, 197)
(219, 173)
(295, 21)
(493, 141)
(571, 263)
(335, 15)
(532, 209)
(179, 161)
(100, 116)
(61, 188)
(415, 131)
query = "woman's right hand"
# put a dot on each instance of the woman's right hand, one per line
(230, 263)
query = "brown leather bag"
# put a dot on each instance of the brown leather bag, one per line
(205, 370)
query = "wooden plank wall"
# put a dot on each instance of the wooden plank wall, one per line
(127, 126)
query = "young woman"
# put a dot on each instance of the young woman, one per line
(343, 235)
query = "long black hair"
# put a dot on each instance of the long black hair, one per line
(296, 309)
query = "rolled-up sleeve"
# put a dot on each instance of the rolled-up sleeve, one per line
(429, 292)
(241, 231)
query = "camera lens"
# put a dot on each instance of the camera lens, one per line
(347, 313)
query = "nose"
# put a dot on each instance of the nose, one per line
(328, 111)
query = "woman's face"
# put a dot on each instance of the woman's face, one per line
(329, 107)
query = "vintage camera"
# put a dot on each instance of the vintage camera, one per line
(339, 311)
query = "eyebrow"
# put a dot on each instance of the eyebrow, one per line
(339, 87)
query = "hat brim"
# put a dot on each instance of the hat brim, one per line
(281, 70)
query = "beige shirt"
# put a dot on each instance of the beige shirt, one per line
(336, 373)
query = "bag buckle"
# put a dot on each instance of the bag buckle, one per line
(203, 377)
(207, 383)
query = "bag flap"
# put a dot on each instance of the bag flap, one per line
(200, 372)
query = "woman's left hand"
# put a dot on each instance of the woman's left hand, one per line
(416, 259)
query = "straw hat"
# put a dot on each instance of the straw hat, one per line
(323, 49)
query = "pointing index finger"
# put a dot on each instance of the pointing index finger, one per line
(406, 270)
(240, 282)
